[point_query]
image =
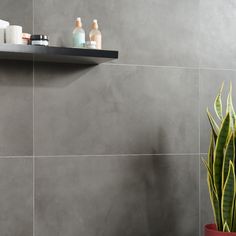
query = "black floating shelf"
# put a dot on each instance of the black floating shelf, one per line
(56, 54)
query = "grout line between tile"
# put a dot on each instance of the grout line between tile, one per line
(199, 159)
(33, 159)
(118, 155)
(102, 155)
(170, 67)
(215, 68)
(16, 157)
(199, 122)
(150, 66)
(33, 2)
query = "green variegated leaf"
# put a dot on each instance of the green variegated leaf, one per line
(211, 154)
(219, 154)
(228, 196)
(215, 202)
(213, 197)
(233, 228)
(221, 164)
(229, 99)
(209, 171)
(226, 227)
(229, 156)
(230, 108)
(214, 126)
(218, 104)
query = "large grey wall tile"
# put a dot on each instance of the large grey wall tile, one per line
(18, 13)
(210, 83)
(16, 198)
(205, 207)
(115, 109)
(16, 123)
(218, 32)
(156, 32)
(113, 196)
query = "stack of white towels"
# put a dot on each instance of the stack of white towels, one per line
(3, 25)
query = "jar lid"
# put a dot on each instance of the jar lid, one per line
(39, 37)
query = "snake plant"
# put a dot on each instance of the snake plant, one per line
(221, 164)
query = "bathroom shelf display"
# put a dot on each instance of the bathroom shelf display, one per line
(56, 54)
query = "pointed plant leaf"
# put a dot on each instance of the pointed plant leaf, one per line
(230, 108)
(211, 154)
(209, 171)
(218, 104)
(213, 197)
(219, 154)
(228, 196)
(215, 203)
(214, 126)
(229, 156)
(210, 176)
(233, 228)
(229, 99)
(226, 227)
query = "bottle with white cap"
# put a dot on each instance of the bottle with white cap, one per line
(95, 34)
(78, 34)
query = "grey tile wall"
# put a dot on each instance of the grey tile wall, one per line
(115, 110)
(115, 148)
(16, 116)
(114, 195)
(217, 33)
(18, 13)
(16, 92)
(16, 198)
(167, 28)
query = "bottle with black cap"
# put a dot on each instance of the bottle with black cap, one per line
(39, 39)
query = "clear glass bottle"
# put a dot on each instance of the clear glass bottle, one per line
(96, 35)
(78, 34)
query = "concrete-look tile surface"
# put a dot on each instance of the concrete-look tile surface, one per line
(16, 198)
(115, 110)
(18, 12)
(16, 106)
(153, 32)
(217, 33)
(132, 195)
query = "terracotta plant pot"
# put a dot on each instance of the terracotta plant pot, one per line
(210, 230)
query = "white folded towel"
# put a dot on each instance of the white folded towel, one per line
(4, 24)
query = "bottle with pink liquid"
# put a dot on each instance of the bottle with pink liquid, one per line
(95, 35)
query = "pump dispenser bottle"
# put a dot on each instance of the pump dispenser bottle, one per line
(95, 34)
(78, 34)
